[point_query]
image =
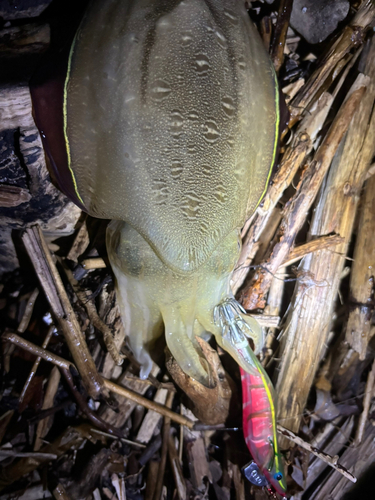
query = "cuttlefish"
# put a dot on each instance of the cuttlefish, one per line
(169, 127)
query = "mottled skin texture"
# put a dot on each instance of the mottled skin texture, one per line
(171, 123)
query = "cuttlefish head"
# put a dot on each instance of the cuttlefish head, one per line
(154, 297)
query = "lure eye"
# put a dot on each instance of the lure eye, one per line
(278, 476)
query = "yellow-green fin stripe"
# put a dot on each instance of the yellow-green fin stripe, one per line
(276, 136)
(273, 415)
(66, 121)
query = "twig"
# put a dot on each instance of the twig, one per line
(36, 363)
(96, 321)
(266, 320)
(164, 450)
(56, 295)
(274, 304)
(93, 263)
(176, 468)
(311, 313)
(281, 29)
(97, 421)
(312, 246)
(45, 424)
(328, 459)
(352, 36)
(253, 295)
(265, 29)
(37, 351)
(111, 386)
(369, 392)
(70, 439)
(293, 159)
(31, 454)
(122, 439)
(81, 242)
(24, 323)
(119, 484)
(359, 325)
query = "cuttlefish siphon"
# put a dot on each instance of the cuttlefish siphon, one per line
(169, 127)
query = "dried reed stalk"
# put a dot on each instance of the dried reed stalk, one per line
(309, 320)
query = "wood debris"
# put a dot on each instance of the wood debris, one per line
(99, 431)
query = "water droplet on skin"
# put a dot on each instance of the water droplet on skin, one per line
(186, 39)
(206, 170)
(231, 16)
(129, 98)
(160, 90)
(228, 106)
(176, 123)
(160, 191)
(203, 227)
(163, 23)
(193, 116)
(211, 132)
(176, 169)
(241, 63)
(201, 64)
(222, 41)
(133, 38)
(220, 193)
(231, 141)
(192, 148)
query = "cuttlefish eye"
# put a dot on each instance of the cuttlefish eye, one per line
(278, 476)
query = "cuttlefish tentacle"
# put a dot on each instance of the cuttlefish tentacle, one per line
(235, 329)
(185, 350)
(140, 315)
(189, 304)
(234, 321)
(149, 296)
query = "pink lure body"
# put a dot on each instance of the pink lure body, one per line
(259, 425)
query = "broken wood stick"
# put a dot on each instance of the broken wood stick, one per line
(328, 459)
(111, 386)
(253, 296)
(54, 290)
(359, 329)
(351, 36)
(164, 449)
(312, 246)
(309, 319)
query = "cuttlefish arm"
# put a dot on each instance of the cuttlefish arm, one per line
(236, 328)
